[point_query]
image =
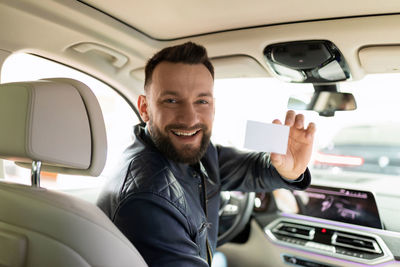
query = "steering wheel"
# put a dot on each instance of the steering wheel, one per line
(234, 213)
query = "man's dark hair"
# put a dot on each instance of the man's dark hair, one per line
(188, 53)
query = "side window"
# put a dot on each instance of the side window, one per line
(118, 115)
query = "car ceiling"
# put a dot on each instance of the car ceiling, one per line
(173, 19)
(62, 30)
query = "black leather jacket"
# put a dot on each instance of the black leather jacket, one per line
(158, 204)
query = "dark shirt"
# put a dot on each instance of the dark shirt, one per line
(157, 203)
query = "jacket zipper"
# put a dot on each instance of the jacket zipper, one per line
(209, 253)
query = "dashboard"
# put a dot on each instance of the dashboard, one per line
(338, 223)
(339, 204)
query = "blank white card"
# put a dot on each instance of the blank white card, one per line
(266, 137)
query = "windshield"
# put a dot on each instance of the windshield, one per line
(357, 149)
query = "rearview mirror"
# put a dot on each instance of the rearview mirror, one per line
(325, 103)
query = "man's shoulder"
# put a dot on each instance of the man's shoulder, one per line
(149, 174)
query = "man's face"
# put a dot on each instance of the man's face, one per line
(179, 110)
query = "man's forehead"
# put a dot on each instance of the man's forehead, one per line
(176, 78)
(179, 93)
(172, 67)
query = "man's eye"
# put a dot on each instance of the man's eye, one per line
(170, 100)
(202, 101)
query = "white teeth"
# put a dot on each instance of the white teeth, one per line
(185, 134)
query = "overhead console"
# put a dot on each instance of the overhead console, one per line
(312, 61)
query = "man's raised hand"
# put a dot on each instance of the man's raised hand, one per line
(298, 154)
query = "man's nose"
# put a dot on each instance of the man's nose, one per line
(187, 115)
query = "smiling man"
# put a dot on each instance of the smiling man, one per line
(165, 198)
(179, 109)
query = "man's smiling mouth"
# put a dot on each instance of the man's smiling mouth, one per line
(185, 133)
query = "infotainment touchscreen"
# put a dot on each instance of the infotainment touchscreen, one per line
(339, 204)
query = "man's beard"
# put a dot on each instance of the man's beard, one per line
(187, 154)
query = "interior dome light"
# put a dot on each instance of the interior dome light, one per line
(287, 74)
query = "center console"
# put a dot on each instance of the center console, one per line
(344, 243)
(336, 222)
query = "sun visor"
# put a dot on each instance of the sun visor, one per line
(237, 67)
(380, 59)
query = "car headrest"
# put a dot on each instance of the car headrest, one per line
(56, 121)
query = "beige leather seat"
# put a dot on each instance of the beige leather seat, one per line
(56, 123)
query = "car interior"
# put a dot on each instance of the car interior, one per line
(39, 226)
(71, 74)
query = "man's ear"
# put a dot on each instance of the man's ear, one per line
(142, 106)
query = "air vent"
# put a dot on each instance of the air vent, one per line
(356, 242)
(295, 230)
(358, 246)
